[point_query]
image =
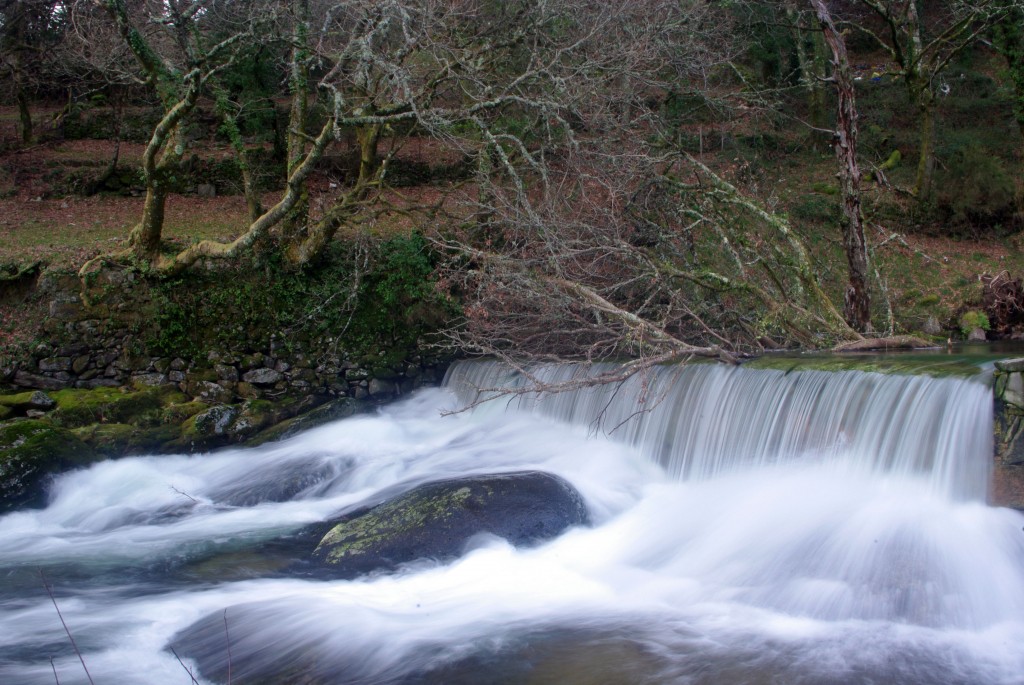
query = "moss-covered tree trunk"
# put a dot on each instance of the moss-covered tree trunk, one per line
(145, 237)
(159, 161)
(368, 137)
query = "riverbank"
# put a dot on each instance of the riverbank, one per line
(121, 364)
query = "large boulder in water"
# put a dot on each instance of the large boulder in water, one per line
(436, 520)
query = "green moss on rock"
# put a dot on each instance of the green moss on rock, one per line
(31, 451)
(121, 439)
(178, 413)
(19, 403)
(361, 535)
(332, 411)
(106, 405)
(15, 400)
(435, 520)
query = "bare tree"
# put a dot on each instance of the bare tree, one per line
(621, 247)
(922, 50)
(585, 232)
(179, 61)
(27, 29)
(857, 301)
(463, 73)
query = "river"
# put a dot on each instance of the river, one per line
(747, 527)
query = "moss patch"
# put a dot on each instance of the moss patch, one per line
(107, 405)
(361, 535)
(31, 450)
(332, 411)
(16, 400)
(121, 439)
(178, 412)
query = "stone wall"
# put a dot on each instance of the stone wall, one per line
(1008, 479)
(97, 337)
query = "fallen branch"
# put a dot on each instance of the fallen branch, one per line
(896, 342)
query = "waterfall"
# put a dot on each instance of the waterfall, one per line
(748, 526)
(700, 421)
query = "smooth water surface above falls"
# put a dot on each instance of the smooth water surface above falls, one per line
(750, 527)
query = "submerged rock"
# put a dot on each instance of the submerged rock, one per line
(312, 652)
(30, 451)
(437, 520)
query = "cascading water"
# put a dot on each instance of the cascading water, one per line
(701, 421)
(748, 527)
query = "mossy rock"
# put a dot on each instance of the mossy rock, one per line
(77, 407)
(436, 520)
(30, 452)
(122, 439)
(35, 399)
(334, 410)
(210, 427)
(226, 424)
(178, 413)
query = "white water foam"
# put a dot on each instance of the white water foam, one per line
(794, 564)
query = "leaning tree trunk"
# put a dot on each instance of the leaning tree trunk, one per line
(857, 310)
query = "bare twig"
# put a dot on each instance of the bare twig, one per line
(184, 494)
(187, 669)
(53, 599)
(227, 640)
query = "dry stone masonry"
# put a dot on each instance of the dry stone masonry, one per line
(97, 339)
(1008, 479)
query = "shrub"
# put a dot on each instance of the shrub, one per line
(972, 319)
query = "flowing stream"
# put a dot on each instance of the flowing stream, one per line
(749, 527)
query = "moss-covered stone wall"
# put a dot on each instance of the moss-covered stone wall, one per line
(124, 363)
(1008, 478)
(109, 342)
